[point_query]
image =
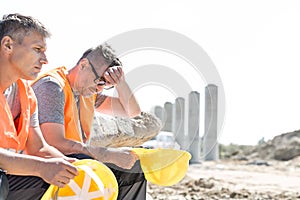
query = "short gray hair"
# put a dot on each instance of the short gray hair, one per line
(18, 26)
(104, 50)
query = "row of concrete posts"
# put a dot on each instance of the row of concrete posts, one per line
(173, 117)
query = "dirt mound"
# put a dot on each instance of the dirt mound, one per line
(282, 147)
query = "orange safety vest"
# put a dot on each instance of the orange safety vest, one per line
(72, 127)
(14, 133)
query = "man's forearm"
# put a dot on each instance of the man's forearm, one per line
(99, 153)
(128, 100)
(18, 164)
(50, 151)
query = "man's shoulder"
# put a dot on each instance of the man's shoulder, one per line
(49, 80)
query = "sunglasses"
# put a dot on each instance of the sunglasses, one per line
(100, 80)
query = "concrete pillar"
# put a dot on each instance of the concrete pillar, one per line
(167, 117)
(158, 112)
(210, 138)
(178, 122)
(193, 127)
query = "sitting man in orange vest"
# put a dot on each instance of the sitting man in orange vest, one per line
(24, 155)
(67, 100)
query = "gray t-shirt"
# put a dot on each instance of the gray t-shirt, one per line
(51, 100)
(13, 99)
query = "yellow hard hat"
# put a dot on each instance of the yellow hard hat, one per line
(95, 181)
(164, 167)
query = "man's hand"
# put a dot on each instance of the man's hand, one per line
(123, 158)
(113, 76)
(57, 171)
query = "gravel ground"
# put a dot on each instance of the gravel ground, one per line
(232, 179)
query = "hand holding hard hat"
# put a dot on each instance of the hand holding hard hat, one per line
(164, 167)
(122, 157)
(94, 182)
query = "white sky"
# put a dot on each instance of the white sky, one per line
(255, 46)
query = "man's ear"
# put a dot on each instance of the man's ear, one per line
(83, 63)
(6, 43)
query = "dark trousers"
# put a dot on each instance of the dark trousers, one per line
(132, 183)
(3, 185)
(26, 187)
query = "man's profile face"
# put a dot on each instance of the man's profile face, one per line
(29, 56)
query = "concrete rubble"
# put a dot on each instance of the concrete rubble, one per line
(111, 131)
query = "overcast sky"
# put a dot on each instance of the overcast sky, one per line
(254, 45)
